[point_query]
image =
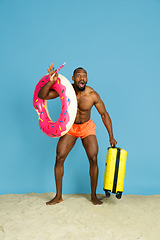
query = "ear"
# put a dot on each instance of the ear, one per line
(73, 78)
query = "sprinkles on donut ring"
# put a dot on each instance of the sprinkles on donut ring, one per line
(68, 107)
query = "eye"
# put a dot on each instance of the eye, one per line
(78, 75)
(84, 75)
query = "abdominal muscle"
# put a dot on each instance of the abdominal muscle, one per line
(82, 116)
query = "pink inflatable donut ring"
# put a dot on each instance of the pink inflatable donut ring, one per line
(68, 107)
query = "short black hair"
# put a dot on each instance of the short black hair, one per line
(78, 69)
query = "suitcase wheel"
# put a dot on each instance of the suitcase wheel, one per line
(107, 193)
(119, 195)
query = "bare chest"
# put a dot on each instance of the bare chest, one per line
(85, 103)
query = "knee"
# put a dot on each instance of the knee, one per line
(93, 159)
(60, 159)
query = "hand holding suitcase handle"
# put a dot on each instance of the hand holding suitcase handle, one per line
(113, 142)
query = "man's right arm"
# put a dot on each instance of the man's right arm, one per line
(45, 92)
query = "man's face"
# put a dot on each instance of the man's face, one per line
(80, 79)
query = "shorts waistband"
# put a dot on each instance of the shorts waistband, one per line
(82, 124)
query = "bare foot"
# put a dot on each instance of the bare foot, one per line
(95, 201)
(54, 201)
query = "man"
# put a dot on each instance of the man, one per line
(83, 127)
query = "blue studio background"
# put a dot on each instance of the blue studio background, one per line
(117, 42)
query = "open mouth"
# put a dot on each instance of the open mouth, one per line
(81, 84)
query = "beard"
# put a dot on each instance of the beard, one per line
(81, 86)
(81, 89)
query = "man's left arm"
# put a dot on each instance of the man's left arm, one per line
(99, 104)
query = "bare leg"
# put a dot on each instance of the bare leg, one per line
(91, 146)
(64, 146)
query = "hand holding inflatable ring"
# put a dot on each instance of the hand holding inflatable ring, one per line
(53, 75)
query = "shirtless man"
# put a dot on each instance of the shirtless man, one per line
(83, 127)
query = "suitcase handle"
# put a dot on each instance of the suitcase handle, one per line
(113, 145)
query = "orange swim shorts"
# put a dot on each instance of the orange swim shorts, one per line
(83, 130)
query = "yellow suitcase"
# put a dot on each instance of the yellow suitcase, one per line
(114, 171)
